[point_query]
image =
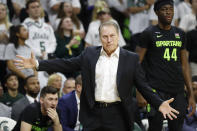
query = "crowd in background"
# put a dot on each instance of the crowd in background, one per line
(51, 29)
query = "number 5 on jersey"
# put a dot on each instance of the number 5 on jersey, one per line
(168, 56)
(42, 47)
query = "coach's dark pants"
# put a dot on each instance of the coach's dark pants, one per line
(108, 119)
(180, 104)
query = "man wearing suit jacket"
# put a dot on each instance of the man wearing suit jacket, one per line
(69, 107)
(32, 88)
(108, 73)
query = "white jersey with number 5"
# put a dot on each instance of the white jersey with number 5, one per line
(41, 36)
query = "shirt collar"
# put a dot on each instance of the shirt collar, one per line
(35, 21)
(77, 98)
(31, 99)
(115, 53)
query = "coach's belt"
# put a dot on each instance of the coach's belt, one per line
(100, 104)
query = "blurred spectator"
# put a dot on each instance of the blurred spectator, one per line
(192, 49)
(66, 10)
(18, 5)
(18, 36)
(32, 88)
(24, 14)
(4, 26)
(69, 106)
(54, 6)
(183, 8)
(4, 38)
(138, 10)
(18, 46)
(20, 13)
(138, 19)
(4, 23)
(10, 8)
(46, 4)
(41, 35)
(68, 44)
(190, 123)
(98, 4)
(5, 111)
(55, 81)
(119, 5)
(189, 22)
(11, 82)
(43, 115)
(69, 86)
(102, 15)
(118, 9)
(85, 14)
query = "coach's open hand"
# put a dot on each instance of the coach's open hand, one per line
(25, 62)
(167, 110)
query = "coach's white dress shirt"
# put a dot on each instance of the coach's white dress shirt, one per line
(105, 76)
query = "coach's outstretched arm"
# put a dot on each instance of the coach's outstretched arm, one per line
(55, 65)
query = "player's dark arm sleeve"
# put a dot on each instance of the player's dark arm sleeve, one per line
(27, 116)
(143, 87)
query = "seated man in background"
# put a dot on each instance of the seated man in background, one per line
(69, 106)
(11, 82)
(55, 81)
(69, 86)
(43, 115)
(5, 111)
(32, 87)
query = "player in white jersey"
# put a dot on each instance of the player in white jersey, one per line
(41, 35)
